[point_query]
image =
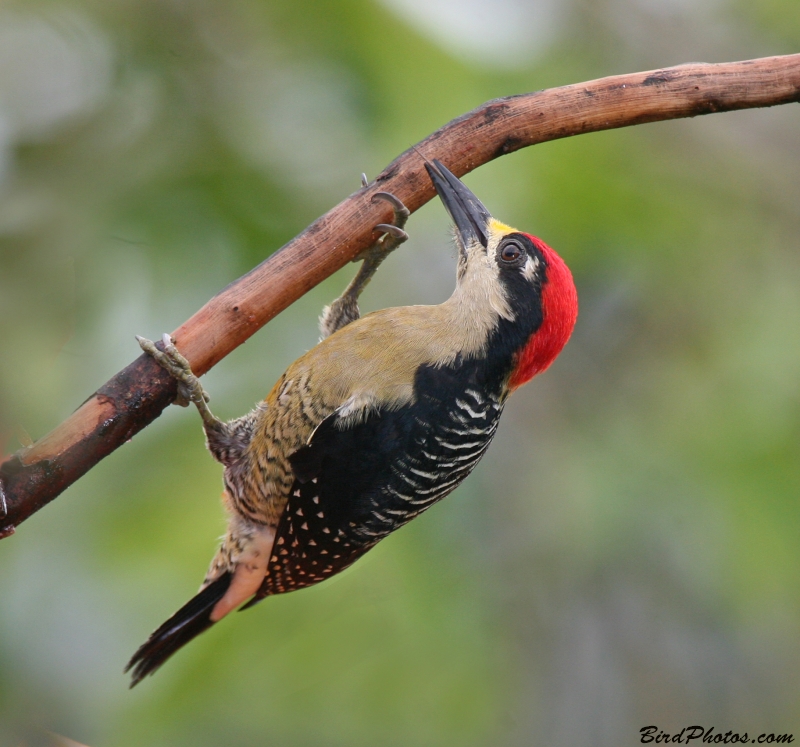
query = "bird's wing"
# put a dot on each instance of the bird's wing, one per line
(327, 523)
(357, 480)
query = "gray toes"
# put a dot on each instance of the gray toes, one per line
(170, 359)
(401, 212)
(395, 231)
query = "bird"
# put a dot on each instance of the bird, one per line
(384, 417)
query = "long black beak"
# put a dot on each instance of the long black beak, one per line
(466, 210)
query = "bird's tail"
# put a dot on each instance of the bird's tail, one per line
(189, 621)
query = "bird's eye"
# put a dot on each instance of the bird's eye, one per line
(511, 251)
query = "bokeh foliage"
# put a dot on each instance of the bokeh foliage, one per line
(627, 554)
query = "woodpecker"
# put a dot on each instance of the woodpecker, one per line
(383, 418)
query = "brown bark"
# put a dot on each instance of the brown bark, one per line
(138, 394)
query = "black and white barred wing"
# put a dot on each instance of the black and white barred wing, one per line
(355, 484)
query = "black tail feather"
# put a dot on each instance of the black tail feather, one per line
(187, 623)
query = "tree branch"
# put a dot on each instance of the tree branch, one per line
(137, 395)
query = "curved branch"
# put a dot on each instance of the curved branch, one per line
(137, 395)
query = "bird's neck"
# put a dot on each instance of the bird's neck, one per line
(472, 313)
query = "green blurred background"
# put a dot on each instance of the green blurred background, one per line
(627, 554)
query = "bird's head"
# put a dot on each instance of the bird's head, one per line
(513, 278)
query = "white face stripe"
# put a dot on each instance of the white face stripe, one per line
(530, 268)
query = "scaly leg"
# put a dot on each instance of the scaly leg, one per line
(189, 387)
(345, 308)
(226, 441)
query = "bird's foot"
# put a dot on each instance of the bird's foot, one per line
(189, 387)
(393, 233)
(345, 308)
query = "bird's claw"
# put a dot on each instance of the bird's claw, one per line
(345, 308)
(170, 359)
(395, 231)
(394, 235)
(401, 212)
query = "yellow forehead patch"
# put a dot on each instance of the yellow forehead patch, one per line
(497, 230)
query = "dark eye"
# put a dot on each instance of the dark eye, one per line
(511, 251)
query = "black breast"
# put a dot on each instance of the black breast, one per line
(354, 486)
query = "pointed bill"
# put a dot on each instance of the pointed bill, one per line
(466, 210)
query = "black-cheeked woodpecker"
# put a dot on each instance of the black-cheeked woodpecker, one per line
(384, 417)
